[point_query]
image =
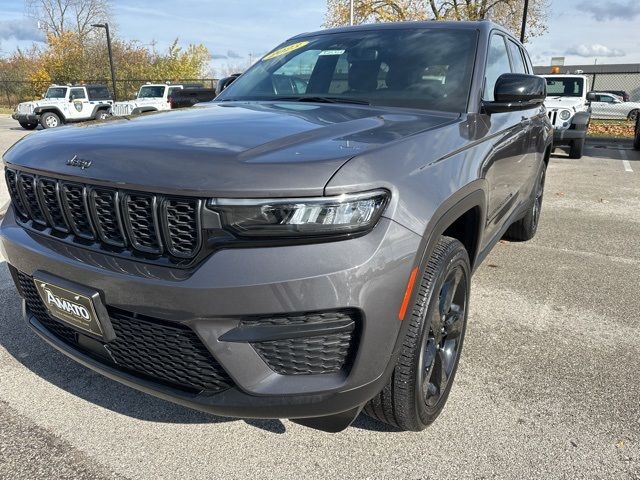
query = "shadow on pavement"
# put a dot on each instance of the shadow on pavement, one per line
(24, 345)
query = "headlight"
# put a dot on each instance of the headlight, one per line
(565, 114)
(302, 217)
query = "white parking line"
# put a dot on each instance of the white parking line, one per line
(625, 162)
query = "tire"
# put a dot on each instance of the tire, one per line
(633, 114)
(50, 120)
(636, 137)
(526, 228)
(415, 395)
(28, 126)
(576, 148)
(102, 115)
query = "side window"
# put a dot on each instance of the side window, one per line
(173, 90)
(516, 58)
(606, 99)
(77, 94)
(497, 64)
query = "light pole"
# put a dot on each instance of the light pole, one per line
(351, 12)
(113, 71)
(524, 20)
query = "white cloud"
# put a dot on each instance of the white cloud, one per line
(20, 30)
(594, 50)
(612, 10)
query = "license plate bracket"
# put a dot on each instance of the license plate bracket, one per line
(77, 306)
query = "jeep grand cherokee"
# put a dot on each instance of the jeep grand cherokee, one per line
(303, 246)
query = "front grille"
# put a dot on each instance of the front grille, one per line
(146, 225)
(553, 116)
(25, 108)
(167, 353)
(310, 355)
(120, 109)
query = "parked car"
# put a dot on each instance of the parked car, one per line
(65, 104)
(610, 106)
(188, 97)
(619, 93)
(569, 111)
(150, 98)
(305, 255)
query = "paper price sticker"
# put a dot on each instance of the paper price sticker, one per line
(284, 50)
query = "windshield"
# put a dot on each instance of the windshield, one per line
(56, 92)
(151, 91)
(565, 87)
(417, 68)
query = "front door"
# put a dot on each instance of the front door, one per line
(79, 106)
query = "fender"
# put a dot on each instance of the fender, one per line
(581, 119)
(56, 110)
(99, 107)
(467, 198)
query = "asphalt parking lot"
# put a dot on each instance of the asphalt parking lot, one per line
(548, 385)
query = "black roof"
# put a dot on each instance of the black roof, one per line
(482, 25)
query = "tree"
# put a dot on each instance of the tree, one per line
(58, 17)
(505, 12)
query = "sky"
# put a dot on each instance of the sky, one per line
(238, 31)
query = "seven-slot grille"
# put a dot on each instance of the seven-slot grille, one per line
(117, 220)
(553, 116)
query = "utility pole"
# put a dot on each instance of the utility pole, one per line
(351, 12)
(113, 71)
(524, 20)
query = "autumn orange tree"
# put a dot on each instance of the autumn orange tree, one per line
(505, 12)
(69, 58)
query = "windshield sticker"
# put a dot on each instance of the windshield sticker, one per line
(284, 50)
(332, 52)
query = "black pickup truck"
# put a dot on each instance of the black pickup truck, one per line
(295, 249)
(188, 97)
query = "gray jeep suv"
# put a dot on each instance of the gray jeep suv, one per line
(299, 248)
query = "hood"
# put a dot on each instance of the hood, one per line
(226, 149)
(564, 102)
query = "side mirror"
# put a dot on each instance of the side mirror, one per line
(225, 82)
(516, 91)
(591, 97)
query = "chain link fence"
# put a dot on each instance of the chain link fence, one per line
(13, 92)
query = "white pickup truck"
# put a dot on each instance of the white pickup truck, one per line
(569, 111)
(150, 98)
(64, 104)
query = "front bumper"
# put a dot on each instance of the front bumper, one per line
(367, 274)
(26, 117)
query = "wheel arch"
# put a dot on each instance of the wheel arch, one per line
(51, 110)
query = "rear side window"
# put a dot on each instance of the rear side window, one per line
(497, 64)
(98, 93)
(516, 58)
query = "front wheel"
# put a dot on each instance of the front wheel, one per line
(576, 148)
(423, 376)
(28, 126)
(49, 120)
(102, 115)
(633, 114)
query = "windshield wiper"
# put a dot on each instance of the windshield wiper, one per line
(323, 99)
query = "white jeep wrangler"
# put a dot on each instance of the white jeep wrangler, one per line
(569, 110)
(151, 98)
(63, 104)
